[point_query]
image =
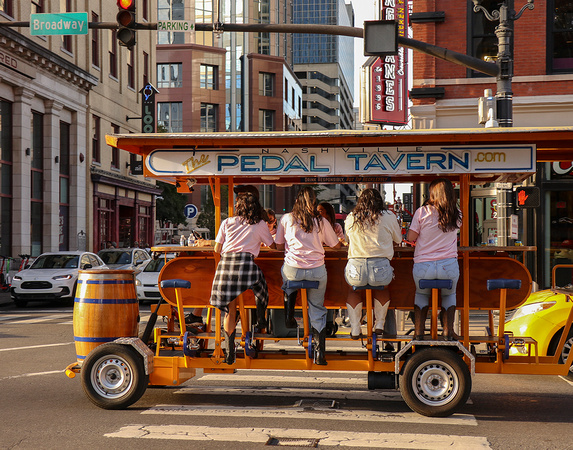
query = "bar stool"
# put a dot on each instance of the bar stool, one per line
(303, 286)
(435, 286)
(370, 335)
(503, 284)
(179, 284)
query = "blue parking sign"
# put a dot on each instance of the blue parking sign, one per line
(190, 211)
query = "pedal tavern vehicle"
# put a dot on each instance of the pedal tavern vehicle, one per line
(434, 375)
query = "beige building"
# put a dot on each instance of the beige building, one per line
(63, 188)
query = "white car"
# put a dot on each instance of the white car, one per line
(124, 258)
(52, 276)
(146, 280)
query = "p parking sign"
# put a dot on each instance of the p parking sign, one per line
(190, 211)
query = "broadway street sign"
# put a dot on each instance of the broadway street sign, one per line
(59, 23)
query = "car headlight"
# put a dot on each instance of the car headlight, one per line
(532, 308)
(62, 277)
(138, 282)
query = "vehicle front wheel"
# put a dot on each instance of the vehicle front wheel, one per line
(113, 376)
(567, 350)
(435, 382)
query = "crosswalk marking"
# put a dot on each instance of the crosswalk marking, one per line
(325, 438)
(337, 394)
(315, 414)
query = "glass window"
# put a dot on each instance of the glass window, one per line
(208, 76)
(37, 175)
(95, 42)
(170, 117)
(7, 6)
(266, 120)
(115, 150)
(113, 54)
(67, 40)
(560, 39)
(266, 84)
(5, 178)
(169, 75)
(96, 153)
(170, 10)
(208, 117)
(483, 40)
(64, 235)
(131, 69)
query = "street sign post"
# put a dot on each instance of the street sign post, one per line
(58, 24)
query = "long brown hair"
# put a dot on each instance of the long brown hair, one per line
(247, 207)
(304, 210)
(369, 207)
(443, 198)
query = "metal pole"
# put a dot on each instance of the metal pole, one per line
(504, 95)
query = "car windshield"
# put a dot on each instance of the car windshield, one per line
(118, 257)
(56, 262)
(155, 265)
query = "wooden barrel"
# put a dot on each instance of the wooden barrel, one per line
(105, 308)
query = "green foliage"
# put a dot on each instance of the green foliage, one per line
(171, 208)
(206, 218)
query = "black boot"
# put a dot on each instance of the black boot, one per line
(290, 301)
(449, 319)
(420, 315)
(261, 324)
(230, 348)
(320, 348)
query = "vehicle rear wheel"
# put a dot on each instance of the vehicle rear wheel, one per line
(113, 376)
(435, 382)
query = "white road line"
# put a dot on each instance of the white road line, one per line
(315, 414)
(337, 394)
(40, 319)
(34, 346)
(326, 438)
(24, 375)
(567, 380)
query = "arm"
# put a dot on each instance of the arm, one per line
(218, 247)
(412, 236)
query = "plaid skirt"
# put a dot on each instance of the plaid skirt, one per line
(236, 273)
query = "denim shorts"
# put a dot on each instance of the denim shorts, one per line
(372, 271)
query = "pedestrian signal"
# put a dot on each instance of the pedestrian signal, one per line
(527, 197)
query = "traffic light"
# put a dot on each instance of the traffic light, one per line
(126, 21)
(527, 197)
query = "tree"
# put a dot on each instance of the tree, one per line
(206, 218)
(171, 207)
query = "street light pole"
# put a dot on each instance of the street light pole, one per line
(506, 16)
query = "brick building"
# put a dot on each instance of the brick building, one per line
(445, 95)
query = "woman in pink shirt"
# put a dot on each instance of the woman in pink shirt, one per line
(434, 229)
(302, 234)
(239, 242)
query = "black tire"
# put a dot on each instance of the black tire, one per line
(435, 382)
(113, 376)
(567, 350)
(20, 303)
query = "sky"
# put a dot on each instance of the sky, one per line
(363, 10)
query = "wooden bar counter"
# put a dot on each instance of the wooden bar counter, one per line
(197, 264)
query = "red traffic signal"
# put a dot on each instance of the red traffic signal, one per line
(128, 5)
(126, 21)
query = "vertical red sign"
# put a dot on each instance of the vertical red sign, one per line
(389, 96)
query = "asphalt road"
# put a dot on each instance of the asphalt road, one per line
(42, 409)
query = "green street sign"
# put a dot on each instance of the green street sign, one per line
(58, 24)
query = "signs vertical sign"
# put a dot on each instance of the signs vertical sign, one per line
(148, 109)
(389, 80)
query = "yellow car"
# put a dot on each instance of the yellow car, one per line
(542, 317)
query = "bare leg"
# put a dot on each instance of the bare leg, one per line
(230, 321)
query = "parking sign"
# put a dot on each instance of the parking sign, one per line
(190, 211)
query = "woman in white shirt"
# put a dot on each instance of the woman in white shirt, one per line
(302, 234)
(371, 231)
